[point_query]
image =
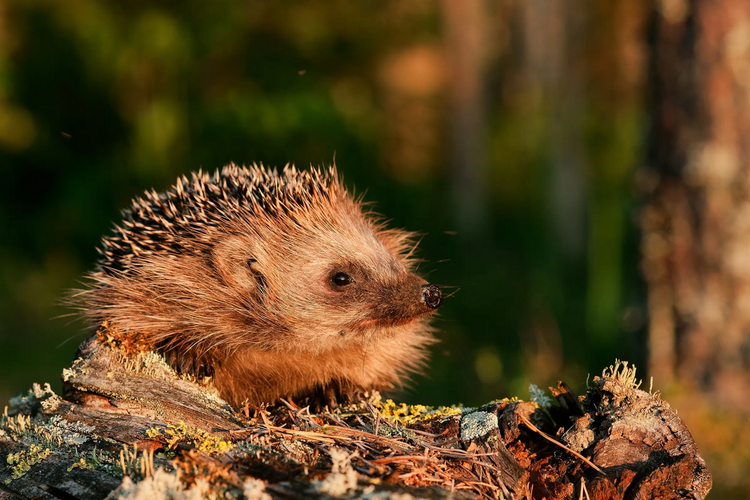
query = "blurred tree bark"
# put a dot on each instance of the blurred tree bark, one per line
(696, 222)
(552, 55)
(465, 42)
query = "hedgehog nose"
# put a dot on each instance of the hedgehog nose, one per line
(432, 296)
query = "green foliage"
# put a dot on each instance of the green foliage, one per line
(102, 100)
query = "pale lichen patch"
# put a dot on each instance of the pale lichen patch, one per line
(79, 367)
(37, 396)
(148, 363)
(539, 397)
(255, 489)
(53, 432)
(163, 486)
(623, 374)
(477, 424)
(343, 478)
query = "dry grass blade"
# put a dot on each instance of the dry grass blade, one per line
(584, 491)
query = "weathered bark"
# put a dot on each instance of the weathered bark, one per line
(122, 404)
(696, 224)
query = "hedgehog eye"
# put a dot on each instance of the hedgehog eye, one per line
(341, 279)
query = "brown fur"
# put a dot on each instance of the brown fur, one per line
(230, 276)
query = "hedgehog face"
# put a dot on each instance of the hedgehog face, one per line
(325, 286)
(380, 301)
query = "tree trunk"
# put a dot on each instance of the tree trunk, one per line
(696, 222)
(465, 43)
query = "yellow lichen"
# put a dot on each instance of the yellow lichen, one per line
(81, 464)
(404, 414)
(182, 433)
(22, 461)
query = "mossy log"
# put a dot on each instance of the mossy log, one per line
(128, 426)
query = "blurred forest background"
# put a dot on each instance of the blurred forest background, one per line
(517, 136)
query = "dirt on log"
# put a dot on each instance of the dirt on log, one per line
(128, 426)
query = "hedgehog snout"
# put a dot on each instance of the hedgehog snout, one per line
(432, 296)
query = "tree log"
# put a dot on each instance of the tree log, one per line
(128, 426)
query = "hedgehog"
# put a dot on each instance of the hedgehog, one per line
(270, 284)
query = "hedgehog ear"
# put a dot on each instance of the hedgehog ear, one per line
(235, 262)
